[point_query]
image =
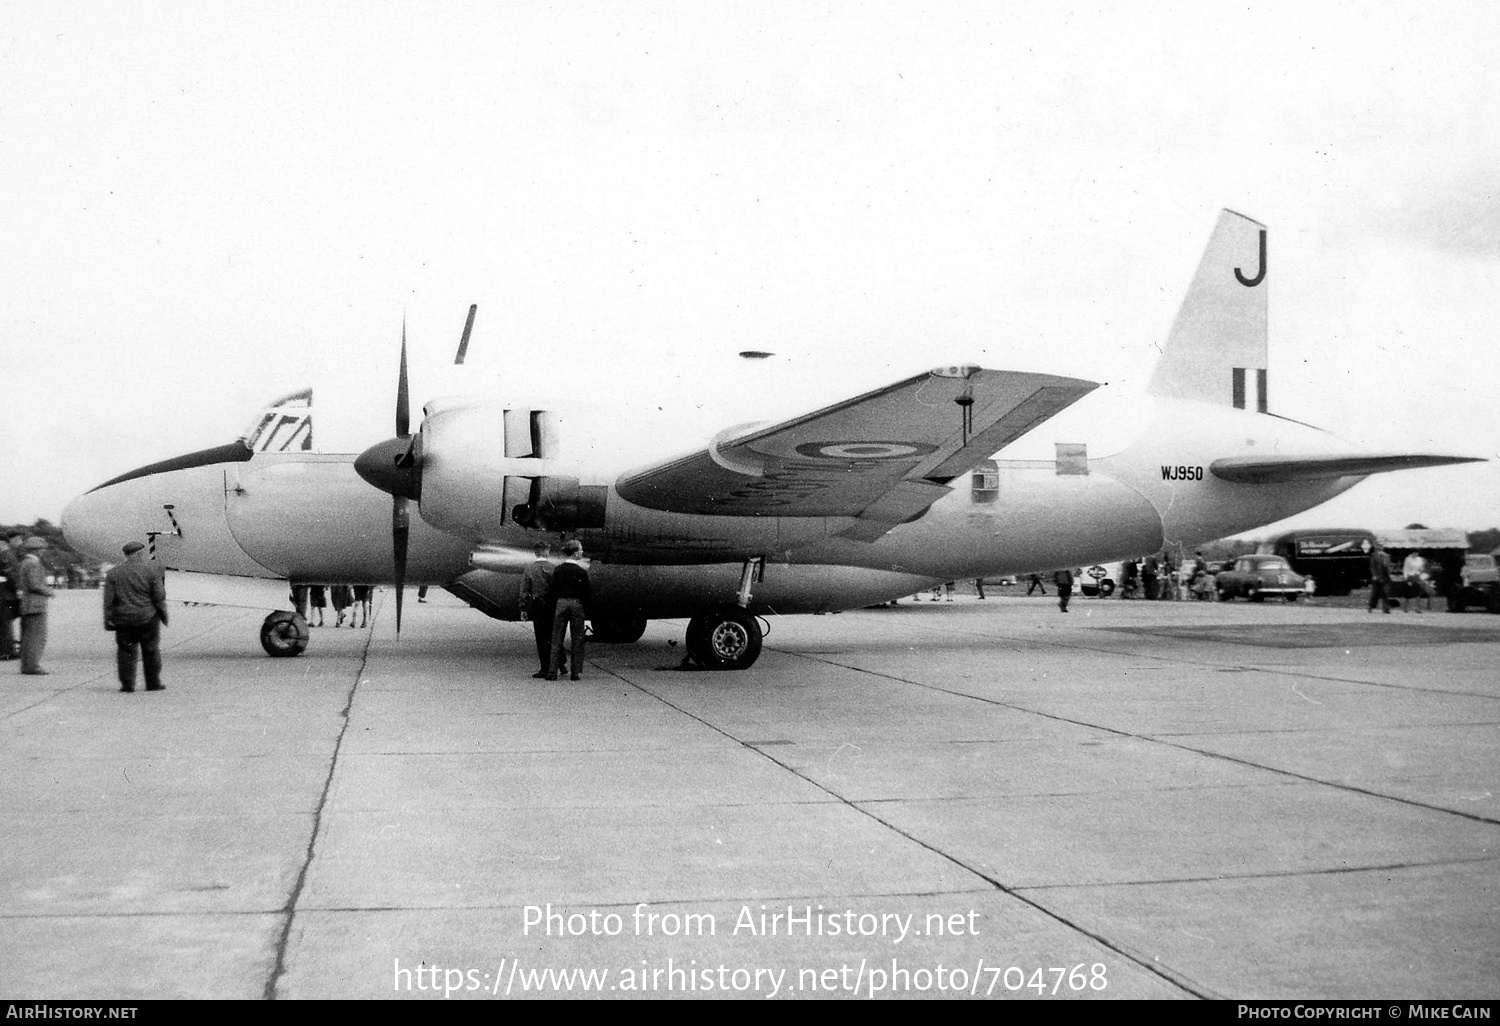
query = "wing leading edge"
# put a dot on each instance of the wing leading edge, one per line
(881, 458)
(1273, 469)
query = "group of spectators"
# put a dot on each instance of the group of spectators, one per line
(349, 600)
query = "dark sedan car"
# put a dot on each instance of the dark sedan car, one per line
(1255, 577)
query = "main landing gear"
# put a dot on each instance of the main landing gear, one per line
(725, 639)
(284, 634)
(728, 638)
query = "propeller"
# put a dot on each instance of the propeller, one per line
(463, 343)
(400, 513)
(395, 465)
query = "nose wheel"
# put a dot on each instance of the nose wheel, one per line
(724, 639)
(284, 634)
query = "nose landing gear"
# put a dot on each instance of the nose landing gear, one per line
(284, 634)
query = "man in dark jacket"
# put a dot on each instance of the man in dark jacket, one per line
(537, 607)
(569, 593)
(135, 608)
(10, 596)
(1380, 580)
(1064, 581)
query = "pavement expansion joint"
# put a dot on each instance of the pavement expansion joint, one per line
(278, 969)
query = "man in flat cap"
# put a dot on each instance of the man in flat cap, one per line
(34, 592)
(135, 608)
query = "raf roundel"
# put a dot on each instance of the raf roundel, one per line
(865, 450)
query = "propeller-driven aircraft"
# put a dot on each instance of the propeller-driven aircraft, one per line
(860, 502)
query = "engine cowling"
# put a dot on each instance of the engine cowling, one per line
(486, 468)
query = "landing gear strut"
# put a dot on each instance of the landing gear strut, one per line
(284, 634)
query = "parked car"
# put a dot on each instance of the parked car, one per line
(1255, 577)
(1478, 584)
(1099, 580)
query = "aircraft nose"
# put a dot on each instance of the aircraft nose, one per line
(394, 466)
(91, 526)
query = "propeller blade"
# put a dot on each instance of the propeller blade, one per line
(463, 343)
(400, 535)
(403, 401)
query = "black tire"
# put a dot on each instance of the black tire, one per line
(284, 634)
(1106, 588)
(1292, 596)
(1225, 595)
(726, 639)
(1455, 603)
(620, 629)
(1493, 605)
(1254, 595)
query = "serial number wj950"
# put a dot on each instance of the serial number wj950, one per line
(1181, 473)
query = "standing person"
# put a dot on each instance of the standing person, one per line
(342, 598)
(978, 586)
(1064, 581)
(318, 596)
(1129, 579)
(1414, 569)
(10, 595)
(1035, 581)
(1149, 569)
(1380, 580)
(34, 595)
(535, 606)
(570, 592)
(361, 604)
(1168, 576)
(135, 608)
(299, 600)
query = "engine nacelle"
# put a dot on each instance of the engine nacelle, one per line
(485, 468)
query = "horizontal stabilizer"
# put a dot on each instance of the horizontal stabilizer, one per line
(1266, 470)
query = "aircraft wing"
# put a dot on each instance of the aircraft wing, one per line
(1268, 469)
(882, 457)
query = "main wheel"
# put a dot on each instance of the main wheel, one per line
(284, 634)
(725, 639)
(620, 629)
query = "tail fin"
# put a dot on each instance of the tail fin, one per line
(1217, 349)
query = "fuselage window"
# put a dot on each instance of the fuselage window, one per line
(986, 482)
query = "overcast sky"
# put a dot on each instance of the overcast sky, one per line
(208, 205)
